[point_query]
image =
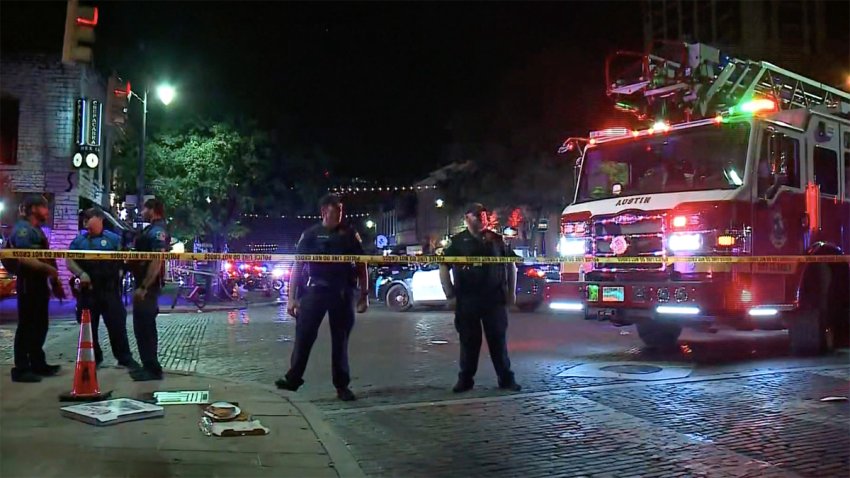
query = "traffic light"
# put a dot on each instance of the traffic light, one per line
(117, 101)
(80, 21)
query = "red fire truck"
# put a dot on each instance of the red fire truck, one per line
(743, 160)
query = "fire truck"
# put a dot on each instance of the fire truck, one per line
(730, 209)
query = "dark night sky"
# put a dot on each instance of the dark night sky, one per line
(373, 84)
(376, 85)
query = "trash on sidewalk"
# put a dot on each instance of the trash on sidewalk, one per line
(225, 419)
(232, 429)
(190, 397)
(110, 412)
(222, 411)
(834, 399)
(625, 332)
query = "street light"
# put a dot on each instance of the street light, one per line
(370, 224)
(166, 94)
(440, 203)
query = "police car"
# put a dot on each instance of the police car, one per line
(420, 286)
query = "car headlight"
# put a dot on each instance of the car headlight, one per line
(572, 246)
(278, 273)
(684, 242)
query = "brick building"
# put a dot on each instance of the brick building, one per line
(39, 134)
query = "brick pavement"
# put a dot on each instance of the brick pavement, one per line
(407, 422)
(772, 425)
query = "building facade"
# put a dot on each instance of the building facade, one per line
(800, 35)
(42, 118)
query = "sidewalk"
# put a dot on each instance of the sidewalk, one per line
(36, 441)
(66, 309)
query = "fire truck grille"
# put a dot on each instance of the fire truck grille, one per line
(627, 235)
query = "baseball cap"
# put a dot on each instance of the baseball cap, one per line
(34, 200)
(330, 200)
(475, 208)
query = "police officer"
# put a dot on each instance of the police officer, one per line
(148, 276)
(100, 292)
(481, 294)
(329, 289)
(33, 294)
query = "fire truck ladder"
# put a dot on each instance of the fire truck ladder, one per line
(741, 79)
(700, 81)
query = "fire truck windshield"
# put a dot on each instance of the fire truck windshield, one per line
(701, 158)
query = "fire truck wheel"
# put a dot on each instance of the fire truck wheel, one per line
(658, 335)
(820, 324)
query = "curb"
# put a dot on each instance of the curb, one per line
(343, 461)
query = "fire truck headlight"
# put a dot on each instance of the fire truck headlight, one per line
(684, 242)
(569, 246)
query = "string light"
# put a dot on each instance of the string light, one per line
(372, 189)
(303, 216)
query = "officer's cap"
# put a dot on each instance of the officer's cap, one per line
(94, 212)
(330, 200)
(34, 200)
(476, 209)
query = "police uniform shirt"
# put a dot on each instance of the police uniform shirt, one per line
(479, 280)
(27, 236)
(153, 238)
(342, 240)
(107, 241)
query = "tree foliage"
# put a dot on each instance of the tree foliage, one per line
(206, 176)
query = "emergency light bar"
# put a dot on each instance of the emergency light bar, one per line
(609, 133)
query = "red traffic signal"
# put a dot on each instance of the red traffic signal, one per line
(117, 100)
(80, 21)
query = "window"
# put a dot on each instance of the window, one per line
(825, 162)
(697, 159)
(847, 175)
(9, 108)
(779, 163)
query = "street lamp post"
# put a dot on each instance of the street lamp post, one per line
(440, 205)
(166, 94)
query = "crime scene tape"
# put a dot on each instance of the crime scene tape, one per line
(190, 256)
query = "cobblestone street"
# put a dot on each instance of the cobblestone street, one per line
(735, 404)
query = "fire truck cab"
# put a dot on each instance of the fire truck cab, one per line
(737, 215)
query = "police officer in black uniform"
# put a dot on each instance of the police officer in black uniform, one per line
(100, 288)
(330, 288)
(33, 294)
(149, 276)
(481, 294)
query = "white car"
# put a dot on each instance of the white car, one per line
(423, 288)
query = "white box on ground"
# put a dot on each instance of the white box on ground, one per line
(110, 412)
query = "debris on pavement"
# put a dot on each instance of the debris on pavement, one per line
(110, 412)
(834, 399)
(191, 397)
(233, 428)
(222, 411)
(225, 419)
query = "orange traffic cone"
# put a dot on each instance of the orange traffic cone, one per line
(86, 388)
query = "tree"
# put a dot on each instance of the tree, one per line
(207, 175)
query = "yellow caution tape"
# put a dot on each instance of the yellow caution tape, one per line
(189, 256)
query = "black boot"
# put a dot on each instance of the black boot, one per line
(463, 385)
(24, 376)
(287, 384)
